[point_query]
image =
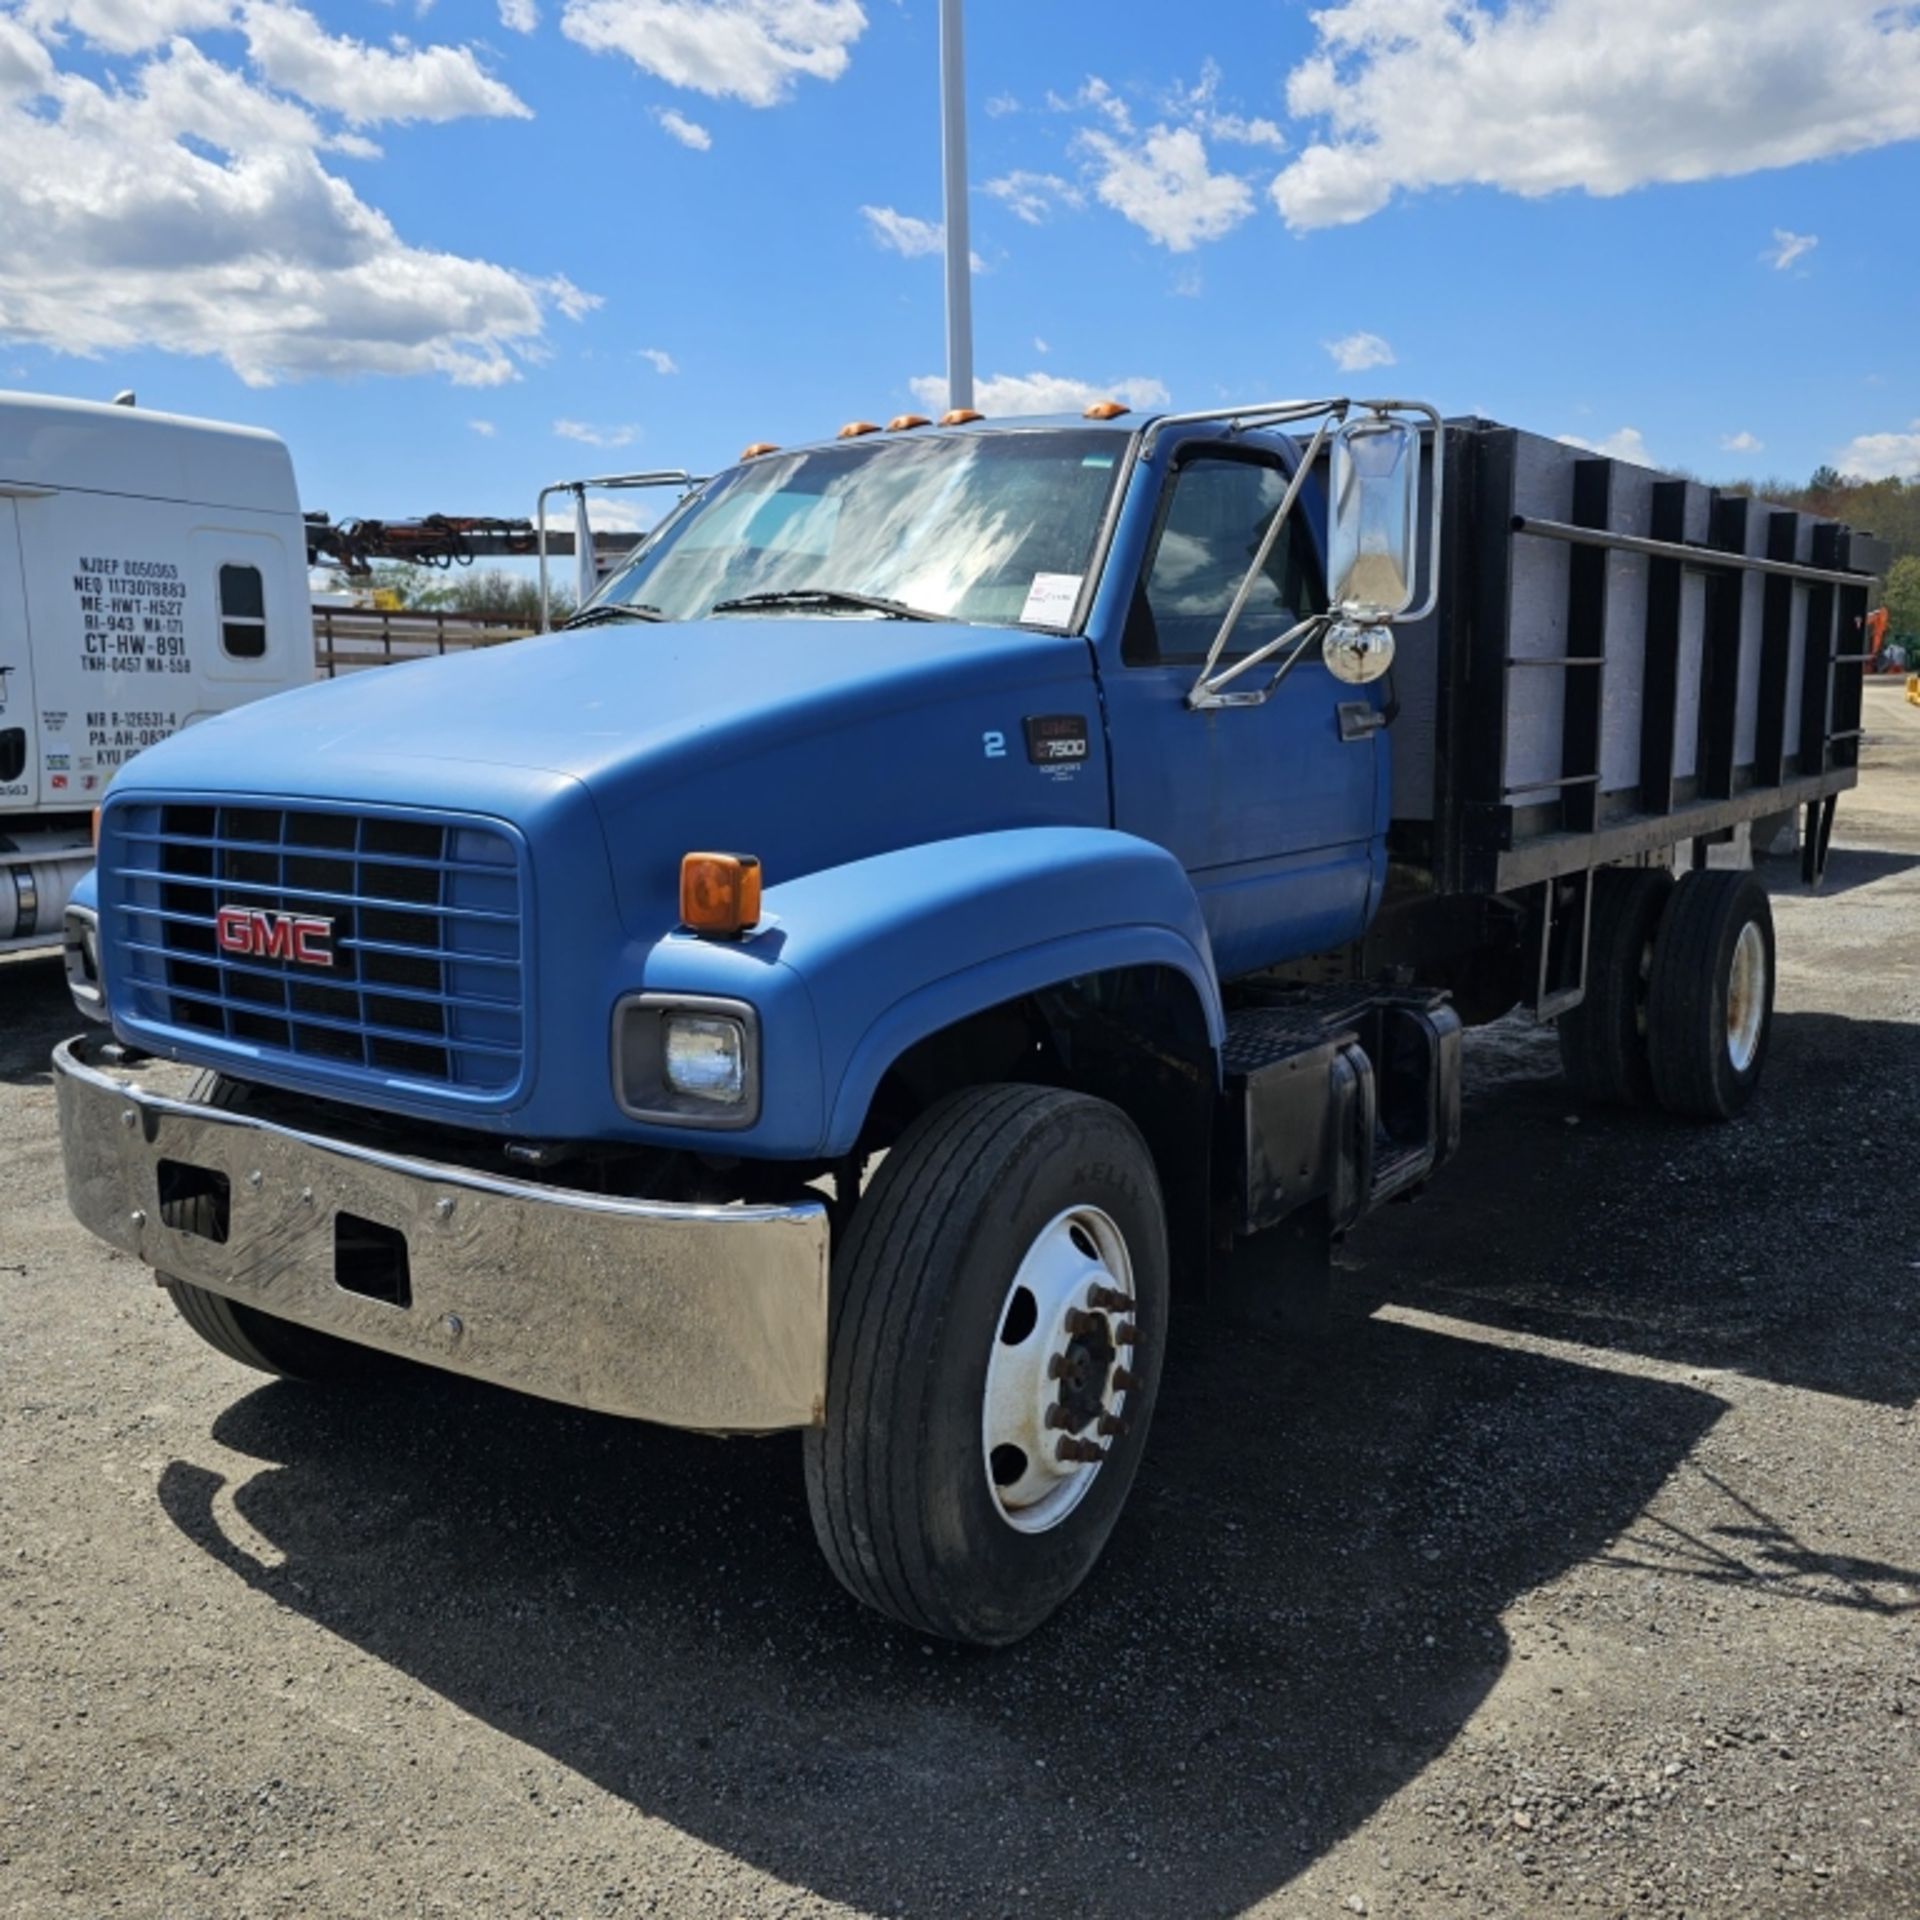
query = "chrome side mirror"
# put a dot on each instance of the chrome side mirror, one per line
(1373, 539)
(1357, 654)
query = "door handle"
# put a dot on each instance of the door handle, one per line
(1358, 720)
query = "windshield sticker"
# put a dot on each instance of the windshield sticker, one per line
(1051, 599)
(1101, 461)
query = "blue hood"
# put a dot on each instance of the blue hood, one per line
(809, 742)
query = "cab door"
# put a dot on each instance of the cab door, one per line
(19, 760)
(1276, 811)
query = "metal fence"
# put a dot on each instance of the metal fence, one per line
(346, 639)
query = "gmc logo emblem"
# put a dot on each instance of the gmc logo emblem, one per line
(274, 936)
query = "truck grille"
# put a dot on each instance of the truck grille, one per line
(428, 975)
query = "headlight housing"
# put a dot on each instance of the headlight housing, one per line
(687, 1061)
(80, 945)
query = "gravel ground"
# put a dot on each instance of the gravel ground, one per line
(1579, 1572)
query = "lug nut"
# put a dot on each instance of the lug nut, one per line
(1077, 1322)
(1123, 1381)
(1056, 1366)
(1112, 1425)
(1082, 1452)
(1111, 1300)
(1056, 1415)
(1125, 1334)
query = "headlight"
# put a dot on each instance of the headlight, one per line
(685, 1061)
(706, 1057)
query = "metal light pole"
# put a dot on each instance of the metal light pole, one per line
(953, 122)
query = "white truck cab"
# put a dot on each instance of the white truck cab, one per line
(152, 572)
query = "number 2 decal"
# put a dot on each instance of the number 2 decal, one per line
(995, 744)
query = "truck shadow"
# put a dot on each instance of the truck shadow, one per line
(36, 1014)
(1304, 1600)
(1781, 1247)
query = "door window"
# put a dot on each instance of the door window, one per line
(243, 613)
(1217, 512)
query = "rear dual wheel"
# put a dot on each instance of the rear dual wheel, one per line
(999, 1315)
(1679, 1006)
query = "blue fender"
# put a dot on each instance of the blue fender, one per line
(887, 950)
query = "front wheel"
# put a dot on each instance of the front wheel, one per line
(1000, 1311)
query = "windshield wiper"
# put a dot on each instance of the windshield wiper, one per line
(822, 597)
(613, 610)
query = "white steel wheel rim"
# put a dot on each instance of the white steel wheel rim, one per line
(1058, 1378)
(1746, 997)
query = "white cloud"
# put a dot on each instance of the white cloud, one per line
(659, 360)
(1040, 346)
(999, 105)
(1164, 185)
(589, 435)
(1198, 106)
(912, 238)
(1882, 456)
(690, 133)
(751, 50)
(179, 206)
(1627, 444)
(1356, 352)
(1100, 98)
(484, 428)
(125, 26)
(1741, 442)
(1788, 247)
(519, 16)
(618, 514)
(1035, 197)
(1008, 394)
(905, 234)
(366, 84)
(1560, 94)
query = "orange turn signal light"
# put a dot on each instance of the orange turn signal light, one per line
(903, 422)
(855, 428)
(1105, 410)
(96, 829)
(960, 417)
(720, 893)
(758, 448)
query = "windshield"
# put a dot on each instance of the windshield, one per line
(993, 528)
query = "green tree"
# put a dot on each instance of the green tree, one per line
(511, 598)
(1903, 597)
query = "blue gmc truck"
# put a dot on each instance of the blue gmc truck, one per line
(950, 885)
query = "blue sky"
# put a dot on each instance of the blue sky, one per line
(433, 264)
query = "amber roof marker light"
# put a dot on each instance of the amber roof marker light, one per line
(758, 448)
(720, 893)
(960, 417)
(906, 422)
(854, 429)
(1106, 410)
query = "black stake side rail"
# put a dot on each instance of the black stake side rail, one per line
(1491, 835)
(1706, 558)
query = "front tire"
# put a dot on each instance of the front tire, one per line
(1000, 1310)
(243, 1333)
(1710, 1000)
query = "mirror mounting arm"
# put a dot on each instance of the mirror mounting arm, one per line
(1206, 687)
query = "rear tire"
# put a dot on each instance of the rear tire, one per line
(1603, 1041)
(1710, 999)
(244, 1333)
(983, 1266)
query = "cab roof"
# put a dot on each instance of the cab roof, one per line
(88, 446)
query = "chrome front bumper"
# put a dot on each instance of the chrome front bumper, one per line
(694, 1316)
